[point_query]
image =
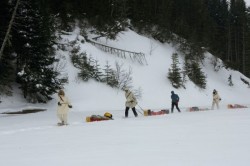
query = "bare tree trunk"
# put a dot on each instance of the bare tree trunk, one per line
(9, 28)
(112, 5)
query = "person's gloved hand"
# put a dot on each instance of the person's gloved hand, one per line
(70, 106)
(59, 103)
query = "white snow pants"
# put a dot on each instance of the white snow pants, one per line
(217, 104)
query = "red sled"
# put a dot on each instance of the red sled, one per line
(94, 118)
(230, 106)
(152, 113)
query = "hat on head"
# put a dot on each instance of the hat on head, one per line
(172, 92)
(126, 89)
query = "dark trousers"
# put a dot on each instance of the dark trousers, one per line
(133, 109)
(176, 105)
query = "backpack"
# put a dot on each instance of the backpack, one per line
(175, 98)
(108, 115)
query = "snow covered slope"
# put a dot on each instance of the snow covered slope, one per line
(151, 78)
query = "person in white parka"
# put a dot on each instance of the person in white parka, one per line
(63, 108)
(216, 99)
(131, 102)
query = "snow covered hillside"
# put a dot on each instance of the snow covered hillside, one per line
(151, 78)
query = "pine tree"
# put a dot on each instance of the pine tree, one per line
(194, 72)
(174, 74)
(7, 72)
(109, 76)
(7, 57)
(33, 40)
(237, 35)
(197, 75)
(97, 74)
(86, 67)
(248, 44)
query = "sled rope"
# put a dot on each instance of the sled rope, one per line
(141, 109)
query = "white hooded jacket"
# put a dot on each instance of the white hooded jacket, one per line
(216, 97)
(63, 107)
(130, 99)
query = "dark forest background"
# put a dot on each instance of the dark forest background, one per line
(27, 34)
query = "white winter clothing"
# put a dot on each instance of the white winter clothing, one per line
(63, 109)
(130, 99)
(216, 100)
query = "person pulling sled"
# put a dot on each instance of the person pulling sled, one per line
(131, 102)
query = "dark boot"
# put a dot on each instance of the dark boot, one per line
(178, 108)
(126, 112)
(172, 108)
(134, 111)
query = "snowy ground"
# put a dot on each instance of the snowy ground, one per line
(218, 138)
(209, 138)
